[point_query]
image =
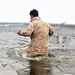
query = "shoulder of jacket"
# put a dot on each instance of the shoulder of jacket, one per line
(48, 24)
(34, 22)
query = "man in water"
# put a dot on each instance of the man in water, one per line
(38, 31)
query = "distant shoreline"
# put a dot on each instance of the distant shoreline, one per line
(53, 24)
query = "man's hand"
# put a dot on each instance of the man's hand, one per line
(19, 32)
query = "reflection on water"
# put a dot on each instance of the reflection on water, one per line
(40, 67)
(37, 67)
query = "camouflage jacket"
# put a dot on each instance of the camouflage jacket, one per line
(38, 31)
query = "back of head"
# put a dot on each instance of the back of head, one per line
(34, 13)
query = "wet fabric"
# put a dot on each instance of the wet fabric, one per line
(38, 31)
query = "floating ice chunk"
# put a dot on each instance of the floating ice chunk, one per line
(67, 74)
(4, 64)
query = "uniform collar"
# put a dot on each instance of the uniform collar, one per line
(35, 18)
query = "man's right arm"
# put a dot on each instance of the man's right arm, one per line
(27, 31)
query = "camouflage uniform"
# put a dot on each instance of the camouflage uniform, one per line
(38, 31)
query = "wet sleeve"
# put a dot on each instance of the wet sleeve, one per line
(28, 30)
(51, 30)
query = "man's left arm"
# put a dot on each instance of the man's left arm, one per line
(51, 30)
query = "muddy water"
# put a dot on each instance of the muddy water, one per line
(13, 54)
(40, 68)
(13, 59)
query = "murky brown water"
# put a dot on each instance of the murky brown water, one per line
(40, 68)
(37, 67)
